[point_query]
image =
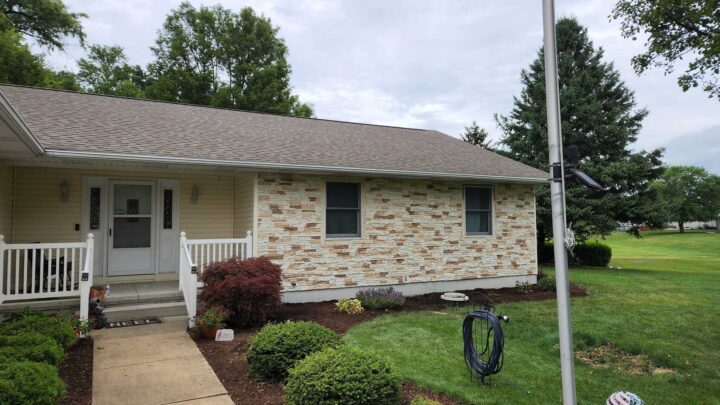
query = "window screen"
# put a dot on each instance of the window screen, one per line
(342, 216)
(478, 211)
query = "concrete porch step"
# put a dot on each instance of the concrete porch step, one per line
(145, 310)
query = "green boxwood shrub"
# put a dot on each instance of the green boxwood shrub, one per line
(31, 346)
(593, 254)
(27, 382)
(61, 330)
(546, 283)
(278, 347)
(343, 375)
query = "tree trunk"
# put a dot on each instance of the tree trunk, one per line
(681, 226)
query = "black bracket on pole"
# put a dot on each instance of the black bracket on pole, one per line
(556, 172)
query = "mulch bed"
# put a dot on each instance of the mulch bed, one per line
(227, 359)
(77, 371)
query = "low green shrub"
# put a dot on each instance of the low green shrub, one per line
(546, 283)
(349, 306)
(523, 287)
(31, 346)
(380, 298)
(593, 254)
(61, 330)
(590, 253)
(277, 347)
(27, 382)
(343, 375)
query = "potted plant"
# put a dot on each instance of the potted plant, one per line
(209, 321)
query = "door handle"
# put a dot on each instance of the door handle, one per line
(109, 231)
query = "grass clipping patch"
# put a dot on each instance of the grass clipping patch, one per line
(610, 356)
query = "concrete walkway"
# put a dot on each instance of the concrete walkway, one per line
(153, 364)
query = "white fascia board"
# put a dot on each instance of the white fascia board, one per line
(16, 123)
(288, 167)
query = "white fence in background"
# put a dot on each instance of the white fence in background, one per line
(34, 271)
(196, 254)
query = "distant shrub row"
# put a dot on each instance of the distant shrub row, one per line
(593, 254)
(31, 347)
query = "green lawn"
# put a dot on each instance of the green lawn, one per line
(663, 303)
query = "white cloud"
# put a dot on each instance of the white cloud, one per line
(417, 63)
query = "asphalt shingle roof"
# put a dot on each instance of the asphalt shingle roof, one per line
(80, 122)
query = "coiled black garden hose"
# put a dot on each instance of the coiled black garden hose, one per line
(474, 360)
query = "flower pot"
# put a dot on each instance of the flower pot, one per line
(209, 333)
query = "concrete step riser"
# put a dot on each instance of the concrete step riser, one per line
(139, 311)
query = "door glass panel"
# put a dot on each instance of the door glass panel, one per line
(131, 232)
(132, 199)
(95, 208)
(167, 209)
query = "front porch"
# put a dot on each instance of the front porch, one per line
(130, 222)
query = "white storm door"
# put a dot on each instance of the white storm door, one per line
(131, 237)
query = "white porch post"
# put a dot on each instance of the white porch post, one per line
(86, 278)
(2, 266)
(181, 252)
(249, 252)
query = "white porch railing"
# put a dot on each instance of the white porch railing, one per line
(32, 271)
(206, 251)
(196, 254)
(188, 279)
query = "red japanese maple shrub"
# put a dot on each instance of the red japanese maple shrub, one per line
(248, 289)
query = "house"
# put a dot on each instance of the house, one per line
(338, 205)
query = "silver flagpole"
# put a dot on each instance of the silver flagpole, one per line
(557, 193)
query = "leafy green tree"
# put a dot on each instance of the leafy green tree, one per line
(20, 66)
(213, 56)
(49, 22)
(475, 135)
(105, 71)
(689, 193)
(675, 30)
(599, 116)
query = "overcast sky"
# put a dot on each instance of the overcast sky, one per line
(426, 64)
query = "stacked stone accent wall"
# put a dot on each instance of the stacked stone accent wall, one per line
(412, 231)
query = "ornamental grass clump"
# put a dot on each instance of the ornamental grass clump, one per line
(380, 298)
(343, 375)
(278, 347)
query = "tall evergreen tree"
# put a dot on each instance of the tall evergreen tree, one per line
(213, 56)
(475, 135)
(599, 116)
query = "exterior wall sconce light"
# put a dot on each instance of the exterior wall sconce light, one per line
(64, 191)
(194, 194)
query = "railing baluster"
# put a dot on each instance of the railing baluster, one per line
(17, 272)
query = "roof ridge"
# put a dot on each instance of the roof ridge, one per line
(210, 107)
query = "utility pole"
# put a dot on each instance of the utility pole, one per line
(557, 195)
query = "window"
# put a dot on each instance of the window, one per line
(478, 210)
(167, 208)
(94, 208)
(342, 214)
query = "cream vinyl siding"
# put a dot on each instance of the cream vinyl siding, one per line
(40, 215)
(244, 201)
(6, 201)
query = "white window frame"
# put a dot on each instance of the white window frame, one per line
(492, 211)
